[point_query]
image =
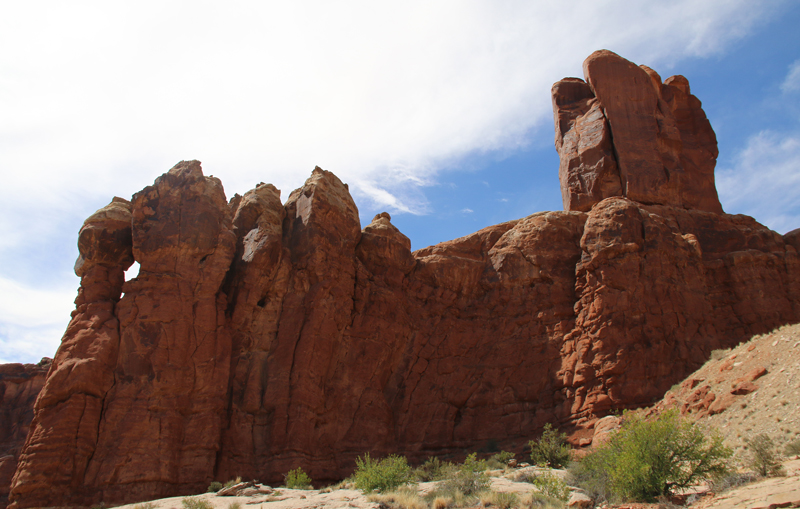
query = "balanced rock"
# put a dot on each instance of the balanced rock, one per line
(623, 132)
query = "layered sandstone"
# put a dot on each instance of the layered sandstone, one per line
(261, 336)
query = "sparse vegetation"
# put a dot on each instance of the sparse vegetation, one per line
(550, 485)
(499, 499)
(382, 476)
(195, 503)
(763, 458)
(500, 460)
(469, 479)
(402, 498)
(298, 480)
(541, 501)
(793, 448)
(234, 505)
(232, 482)
(734, 480)
(433, 469)
(551, 449)
(214, 487)
(647, 459)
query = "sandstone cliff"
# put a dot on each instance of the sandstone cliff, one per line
(19, 386)
(260, 336)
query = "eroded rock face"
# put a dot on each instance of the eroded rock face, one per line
(261, 337)
(623, 132)
(19, 386)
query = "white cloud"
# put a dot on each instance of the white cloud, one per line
(99, 98)
(467, 211)
(32, 321)
(792, 81)
(765, 181)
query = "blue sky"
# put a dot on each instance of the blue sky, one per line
(437, 112)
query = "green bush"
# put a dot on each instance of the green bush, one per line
(551, 485)
(214, 487)
(470, 478)
(386, 474)
(433, 469)
(195, 503)
(551, 450)
(647, 459)
(763, 458)
(500, 460)
(297, 480)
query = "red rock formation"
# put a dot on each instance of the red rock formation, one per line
(261, 337)
(664, 150)
(19, 386)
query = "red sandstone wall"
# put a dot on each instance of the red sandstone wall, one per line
(259, 337)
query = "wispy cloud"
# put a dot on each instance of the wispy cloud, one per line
(765, 181)
(792, 81)
(467, 211)
(31, 320)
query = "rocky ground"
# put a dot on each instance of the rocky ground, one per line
(748, 390)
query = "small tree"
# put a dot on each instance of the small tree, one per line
(763, 458)
(551, 450)
(384, 475)
(647, 459)
(297, 479)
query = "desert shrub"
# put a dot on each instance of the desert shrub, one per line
(551, 450)
(297, 479)
(500, 460)
(550, 485)
(235, 505)
(539, 500)
(793, 448)
(195, 503)
(433, 469)
(232, 482)
(763, 458)
(647, 459)
(733, 480)
(502, 500)
(384, 475)
(214, 487)
(402, 498)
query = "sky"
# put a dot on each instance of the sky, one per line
(438, 112)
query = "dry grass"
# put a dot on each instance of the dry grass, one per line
(402, 498)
